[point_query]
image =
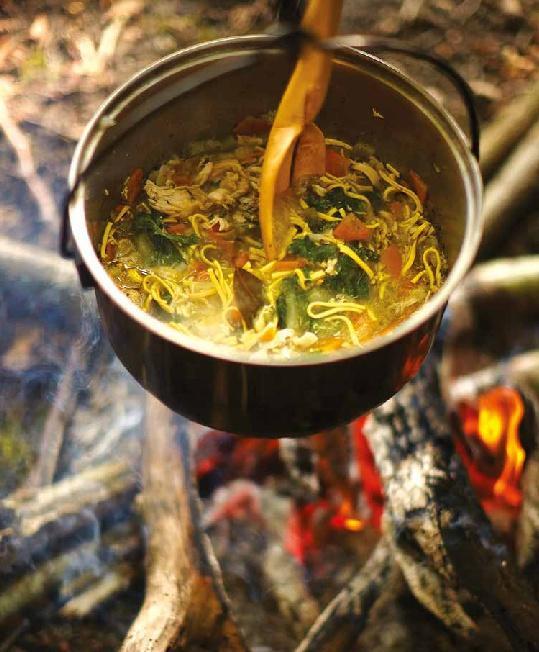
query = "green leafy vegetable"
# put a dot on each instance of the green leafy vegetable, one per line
(292, 305)
(166, 248)
(311, 251)
(335, 198)
(350, 278)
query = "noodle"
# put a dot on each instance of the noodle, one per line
(189, 251)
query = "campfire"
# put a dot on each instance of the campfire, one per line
(126, 527)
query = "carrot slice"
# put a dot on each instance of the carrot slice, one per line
(336, 164)
(133, 185)
(241, 258)
(397, 209)
(177, 229)
(310, 158)
(288, 264)
(251, 126)
(392, 260)
(420, 187)
(351, 228)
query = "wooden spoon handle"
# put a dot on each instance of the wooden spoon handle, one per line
(300, 104)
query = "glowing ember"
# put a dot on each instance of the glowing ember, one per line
(492, 452)
(371, 483)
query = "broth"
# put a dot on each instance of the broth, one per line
(185, 245)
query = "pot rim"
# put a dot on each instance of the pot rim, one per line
(466, 162)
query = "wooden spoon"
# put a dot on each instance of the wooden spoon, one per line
(300, 104)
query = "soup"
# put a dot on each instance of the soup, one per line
(185, 245)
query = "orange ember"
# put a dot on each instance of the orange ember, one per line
(492, 452)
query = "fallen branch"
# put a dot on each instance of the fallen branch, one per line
(39, 522)
(185, 604)
(61, 411)
(342, 621)
(116, 579)
(441, 538)
(88, 560)
(508, 127)
(509, 190)
(21, 145)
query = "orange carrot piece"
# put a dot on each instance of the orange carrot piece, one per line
(287, 264)
(392, 260)
(420, 187)
(133, 185)
(336, 163)
(351, 228)
(177, 229)
(251, 126)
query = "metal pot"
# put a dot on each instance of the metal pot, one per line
(227, 390)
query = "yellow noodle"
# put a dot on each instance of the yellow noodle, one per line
(352, 254)
(104, 241)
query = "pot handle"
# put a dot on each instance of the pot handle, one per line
(290, 12)
(67, 249)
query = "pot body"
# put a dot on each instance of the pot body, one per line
(177, 101)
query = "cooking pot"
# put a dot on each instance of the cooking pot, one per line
(202, 92)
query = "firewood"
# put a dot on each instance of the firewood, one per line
(60, 413)
(185, 605)
(116, 579)
(441, 538)
(41, 521)
(528, 527)
(513, 121)
(509, 191)
(89, 559)
(345, 617)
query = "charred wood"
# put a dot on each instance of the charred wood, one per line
(441, 538)
(342, 621)
(185, 605)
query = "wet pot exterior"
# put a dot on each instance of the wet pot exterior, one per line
(228, 391)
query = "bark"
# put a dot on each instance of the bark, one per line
(441, 538)
(345, 617)
(185, 606)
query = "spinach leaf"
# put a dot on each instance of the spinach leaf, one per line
(335, 198)
(166, 248)
(311, 251)
(350, 278)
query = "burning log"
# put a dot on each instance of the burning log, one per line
(345, 617)
(185, 604)
(441, 539)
